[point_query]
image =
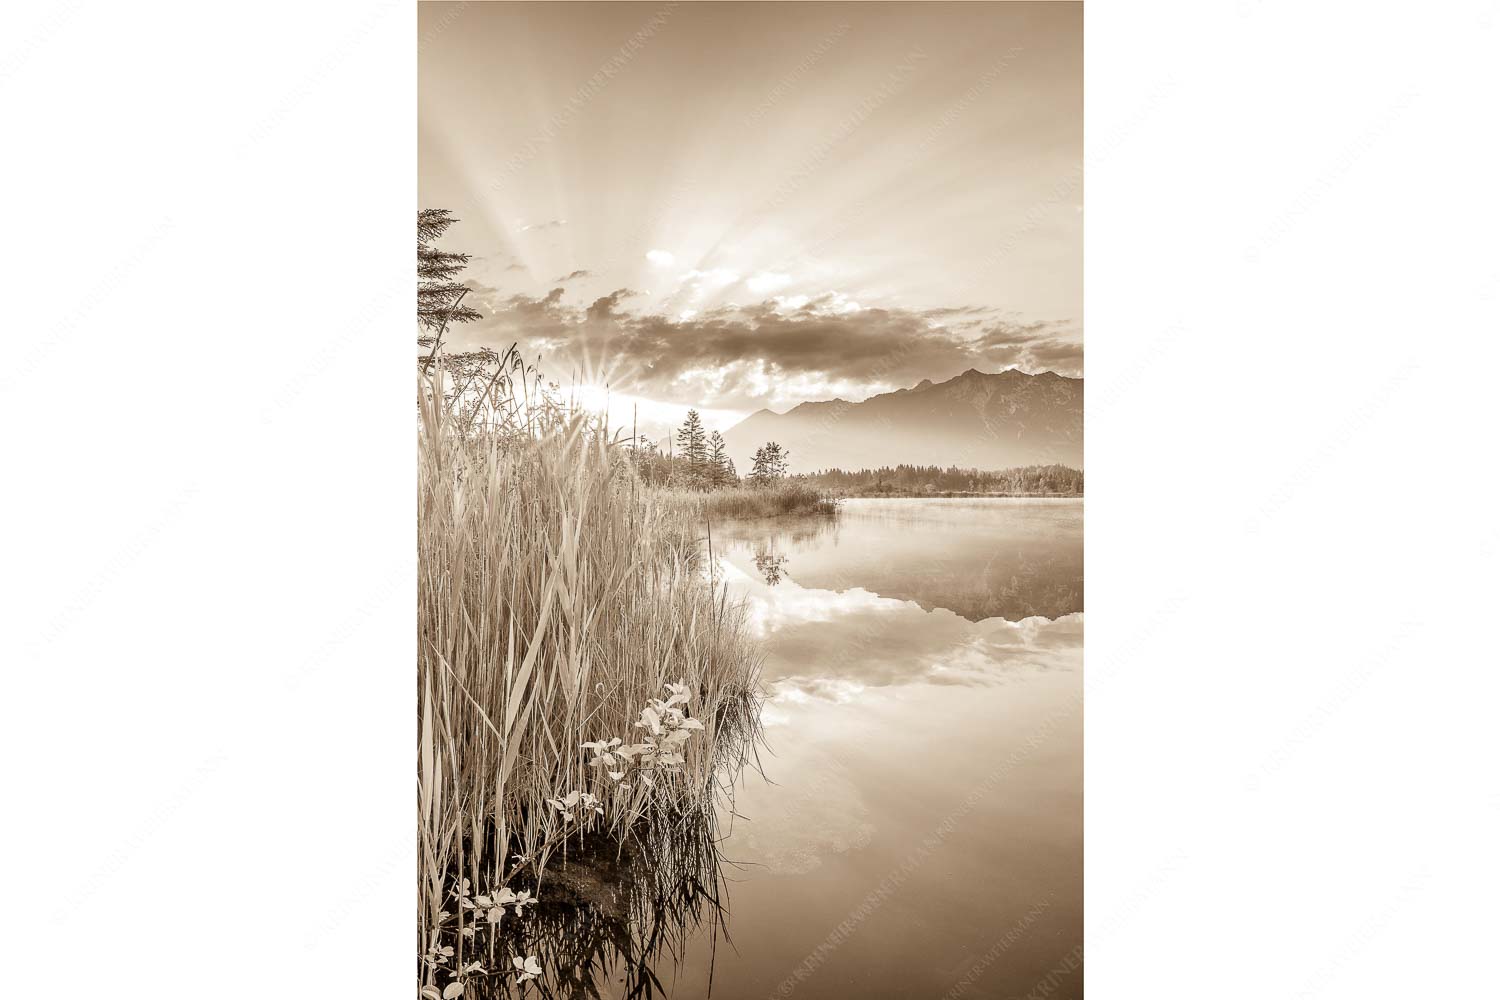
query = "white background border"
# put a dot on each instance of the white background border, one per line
(1291, 292)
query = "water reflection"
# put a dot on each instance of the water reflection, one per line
(924, 827)
(952, 554)
(616, 919)
(839, 641)
(771, 566)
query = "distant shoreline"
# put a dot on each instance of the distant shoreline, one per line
(956, 495)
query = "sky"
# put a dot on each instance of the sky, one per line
(738, 206)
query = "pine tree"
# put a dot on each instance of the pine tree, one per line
(770, 464)
(720, 468)
(693, 442)
(439, 297)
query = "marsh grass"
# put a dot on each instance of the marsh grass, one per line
(790, 496)
(556, 598)
(613, 915)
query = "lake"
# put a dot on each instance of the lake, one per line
(921, 833)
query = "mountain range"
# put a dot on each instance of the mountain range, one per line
(975, 420)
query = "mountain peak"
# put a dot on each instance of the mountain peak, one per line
(814, 404)
(990, 420)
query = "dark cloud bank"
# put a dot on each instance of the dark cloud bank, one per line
(737, 357)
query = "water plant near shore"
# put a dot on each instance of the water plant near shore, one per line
(558, 599)
(787, 496)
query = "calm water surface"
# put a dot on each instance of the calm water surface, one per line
(923, 832)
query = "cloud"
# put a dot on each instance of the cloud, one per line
(768, 281)
(575, 274)
(661, 258)
(718, 277)
(769, 353)
(549, 224)
(603, 308)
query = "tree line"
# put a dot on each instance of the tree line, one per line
(1032, 479)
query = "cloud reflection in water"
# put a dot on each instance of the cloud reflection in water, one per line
(835, 643)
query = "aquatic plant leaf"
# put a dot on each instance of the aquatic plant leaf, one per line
(452, 990)
(431, 993)
(650, 719)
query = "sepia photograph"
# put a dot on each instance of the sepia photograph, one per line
(748, 532)
(751, 477)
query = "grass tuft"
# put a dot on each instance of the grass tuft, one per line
(790, 496)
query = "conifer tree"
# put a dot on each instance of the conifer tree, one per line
(693, 443)
(719, 465)
(770, 464)
(439, 297)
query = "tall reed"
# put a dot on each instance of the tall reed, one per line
(556, 599)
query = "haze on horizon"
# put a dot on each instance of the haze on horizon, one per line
(746, 206)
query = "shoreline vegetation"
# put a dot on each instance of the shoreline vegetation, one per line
(582, 688)
(933, 481)
(587, 697)
(699, 473)
(958, 495)
(733, 503)
(700, 476)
